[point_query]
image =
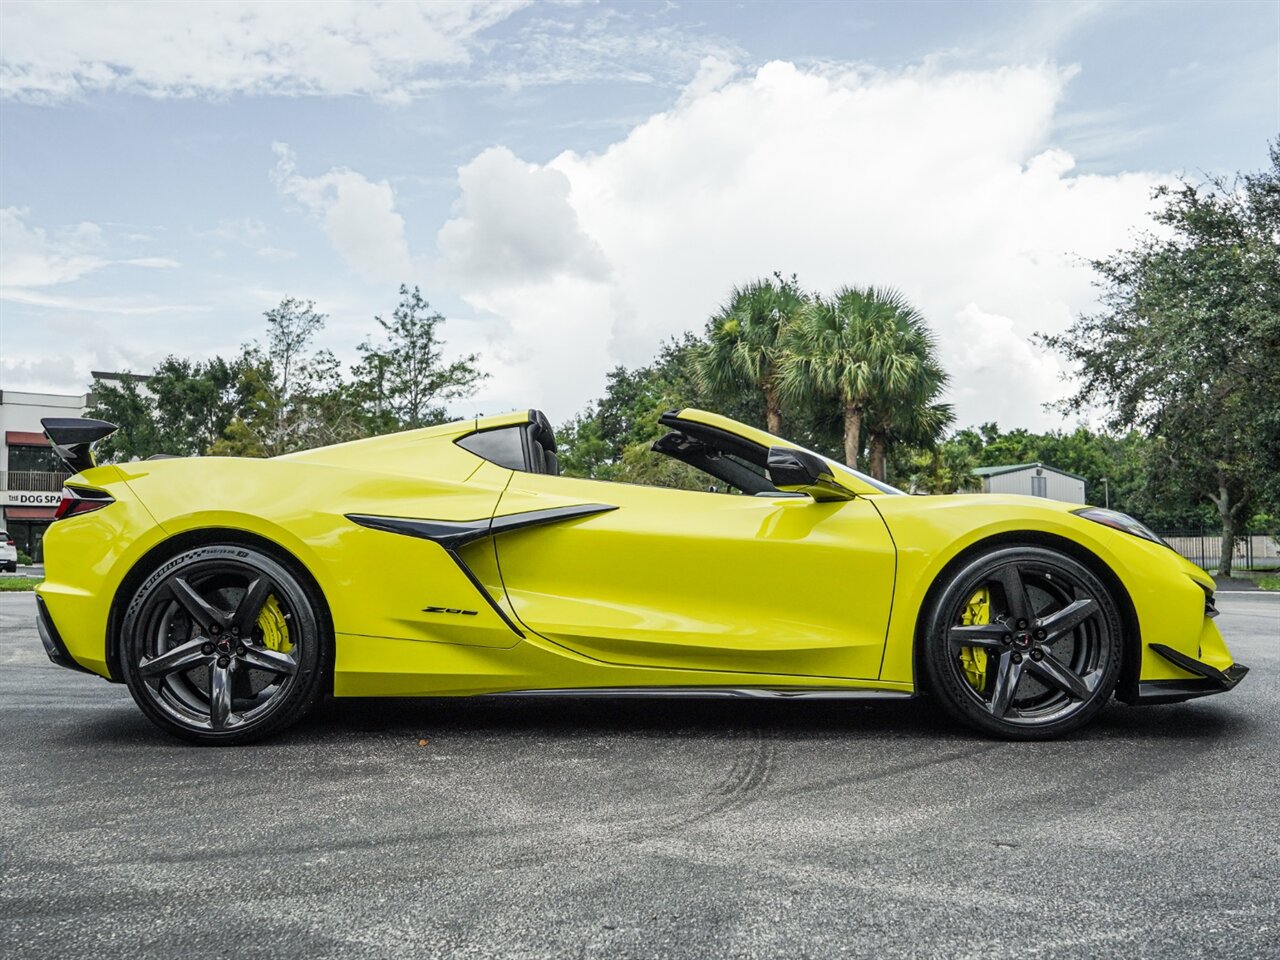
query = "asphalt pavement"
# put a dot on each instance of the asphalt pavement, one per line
(536, 828)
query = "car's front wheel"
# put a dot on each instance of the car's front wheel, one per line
(223, 644)
(1023, 642)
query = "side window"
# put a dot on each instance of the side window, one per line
(504, 446)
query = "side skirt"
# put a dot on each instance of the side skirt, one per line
(713, 693)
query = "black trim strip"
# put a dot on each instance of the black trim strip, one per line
(450, 534)
(52, 640)
(1191, 665)
(1209, 680)
(531, 518)
(453, 534)
(475, 582)
(716, 693)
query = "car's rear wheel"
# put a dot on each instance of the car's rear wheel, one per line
(1023, 642)
(223, 644)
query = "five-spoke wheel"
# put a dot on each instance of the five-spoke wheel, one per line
(1023, 642)
(222, 644)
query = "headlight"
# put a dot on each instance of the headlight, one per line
(1118, 521)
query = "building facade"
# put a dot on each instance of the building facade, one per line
(1033, 479)
(31, 476)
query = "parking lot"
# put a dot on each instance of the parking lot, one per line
(632, 828)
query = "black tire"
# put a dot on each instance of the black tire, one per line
(1051, 648)
(223, 644)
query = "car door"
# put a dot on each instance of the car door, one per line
(769, 584)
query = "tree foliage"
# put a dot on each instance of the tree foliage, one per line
(744, 343)
(181, 408)
(870, 351)
(774, 352)
(1186, 345)
(282, 393)
(297, 398)
(404, 380)
(611, 439)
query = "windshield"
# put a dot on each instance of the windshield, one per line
(872, 481)
(858, 474)
(708, 442)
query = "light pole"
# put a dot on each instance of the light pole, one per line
(1106, 493)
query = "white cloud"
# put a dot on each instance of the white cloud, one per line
(53, 51)
(602, 45)
(358, 216)
(125, 306)
(154, 263)
(392, 51)
(250, 233)
(83, 348)
(515, 223)
(713, 73)
(943, 183)
(32, 256)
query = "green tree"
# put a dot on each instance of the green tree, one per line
(128, 405)
(295, 395)
(195, 401)
(945, 468)
(744, 344)
(404, 381)
(1186, 342)
(181, 408)
(866, 347)
(906, 408)
(610, 439)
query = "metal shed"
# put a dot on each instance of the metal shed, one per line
(1033, 479)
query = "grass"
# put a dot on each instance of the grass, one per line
(18, 584)
(1267, 578)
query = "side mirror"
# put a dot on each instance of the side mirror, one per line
(798, 471)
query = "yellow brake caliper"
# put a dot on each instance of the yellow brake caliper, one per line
(973, 659)
(274, 627)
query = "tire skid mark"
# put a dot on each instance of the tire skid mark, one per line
(751, 771)
(860, 779)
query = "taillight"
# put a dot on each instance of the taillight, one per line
(78, 500)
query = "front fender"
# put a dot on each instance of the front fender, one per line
(1167, 592)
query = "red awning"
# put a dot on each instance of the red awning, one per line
(29, 513)
(23, 438)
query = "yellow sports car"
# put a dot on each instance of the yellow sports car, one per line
(232, 594)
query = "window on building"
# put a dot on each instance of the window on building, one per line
(35, 460)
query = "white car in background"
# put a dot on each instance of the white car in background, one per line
(8, 553)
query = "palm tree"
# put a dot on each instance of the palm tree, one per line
(909, 412)
(744, 340)
(862, 346)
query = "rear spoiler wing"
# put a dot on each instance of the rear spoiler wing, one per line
(73, 439)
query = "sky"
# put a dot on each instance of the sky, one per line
(572, 183)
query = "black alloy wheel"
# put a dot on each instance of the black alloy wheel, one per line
(1024, 642)
(223, 645)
